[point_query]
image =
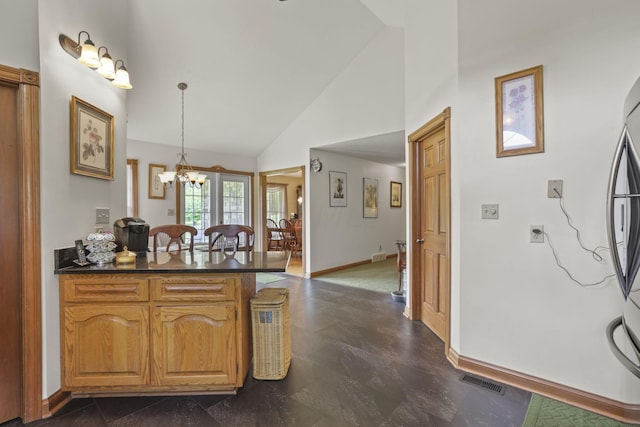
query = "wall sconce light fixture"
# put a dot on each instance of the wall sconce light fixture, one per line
(122, 76)
(87, 54)
(107, 69)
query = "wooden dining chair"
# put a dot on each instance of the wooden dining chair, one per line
(275, 239)
(175, 233)
(287, 233)
(230, 237)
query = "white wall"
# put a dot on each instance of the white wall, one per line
(341, 235)
(512, 306)
(155, 211)
(366, 99)
(19, 30)
(68, 201)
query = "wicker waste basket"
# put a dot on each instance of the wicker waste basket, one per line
(271, 333)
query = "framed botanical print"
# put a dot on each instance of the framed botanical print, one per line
(395, 194)
(337, 189)
(156, 187)
(519, 113)
(91, 140)
(370, 197)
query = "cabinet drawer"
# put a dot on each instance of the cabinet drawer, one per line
(193, 288)
(105, 288)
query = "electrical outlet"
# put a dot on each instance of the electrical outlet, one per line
(554, 188)
(171, 212)
(102, 215)
(490, 211)
(536, 237)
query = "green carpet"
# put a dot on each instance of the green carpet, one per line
(544, 412)
(266, 278)
(376, 276)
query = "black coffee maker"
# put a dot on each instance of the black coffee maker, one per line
(132, 233)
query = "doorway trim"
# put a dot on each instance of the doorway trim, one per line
(263, 207)
(438, 123)
(28, 84)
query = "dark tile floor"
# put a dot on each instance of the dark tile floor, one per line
(357, 361)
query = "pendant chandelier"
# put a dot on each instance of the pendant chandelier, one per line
(183, 172)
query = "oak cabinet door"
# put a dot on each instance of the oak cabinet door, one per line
(106, 345)
(194, 345)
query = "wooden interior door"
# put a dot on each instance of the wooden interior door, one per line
(431, 225)
(19, 235)
(10, 270)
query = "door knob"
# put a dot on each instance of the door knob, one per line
(420, 241)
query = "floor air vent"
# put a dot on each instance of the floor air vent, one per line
(481, 382)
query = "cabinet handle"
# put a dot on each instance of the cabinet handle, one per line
(421, 241)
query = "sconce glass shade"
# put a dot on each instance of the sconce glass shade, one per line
(89, 55)
(107, 69)
(122, 77)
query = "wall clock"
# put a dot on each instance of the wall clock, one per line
(316, 166)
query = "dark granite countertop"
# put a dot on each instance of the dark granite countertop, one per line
(179, 262)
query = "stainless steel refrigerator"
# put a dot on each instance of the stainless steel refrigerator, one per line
(623, 226)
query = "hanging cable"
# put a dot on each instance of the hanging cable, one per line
(594, 252)
(555, 255)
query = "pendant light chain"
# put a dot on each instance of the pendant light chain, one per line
(182, 87)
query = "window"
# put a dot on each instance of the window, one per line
(276, 202)
(197, 208)
(222, 199)
(234, 190)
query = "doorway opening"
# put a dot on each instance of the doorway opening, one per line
(282, 215)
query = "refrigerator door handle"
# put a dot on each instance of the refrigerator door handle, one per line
(611, 227)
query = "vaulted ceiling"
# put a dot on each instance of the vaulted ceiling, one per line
(252, 66)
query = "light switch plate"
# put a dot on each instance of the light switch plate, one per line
(490, 211)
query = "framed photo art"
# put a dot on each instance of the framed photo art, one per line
(370, 197)
(337, 189)
(91, 140)
(519, 113)
(395, 194)
(156, 187)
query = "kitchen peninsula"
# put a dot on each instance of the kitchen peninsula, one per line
(173, 322)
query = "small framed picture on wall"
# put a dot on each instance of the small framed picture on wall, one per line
(370, 197)
(156, 187)
(396, 194)
(337, 189)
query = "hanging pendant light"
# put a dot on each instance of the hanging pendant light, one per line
(183, 172)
